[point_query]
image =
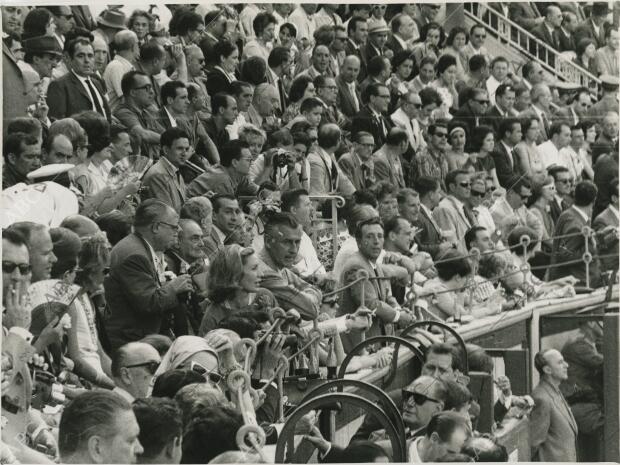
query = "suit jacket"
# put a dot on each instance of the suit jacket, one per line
(83, 17)
(449, 217)
(466, 115)
(572, 248)
(553, 430)
(585, 30)
(387, 170)
(345, 99)
(429, 236)
(565, 115)
(350, 49)
(14, 101)
(494, 118)
(604, 219)
(165, 185)
(137, 301)
(394, 45)
(556, 210)
(365, 121)
(506, 164)
(352, 168)
(217, 82)
(550, 38)
(67, 96)
(523, 13)
(607, 61)
(323, 179)
(567, 43)
(376, 293)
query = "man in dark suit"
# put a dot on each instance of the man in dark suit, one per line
(547, 32)
(403, 29)
(566, 32)
(215, 27)
(608, 220)
(471, 113)
(80, 89)
(224, 112)
(349, 99)
(277, 66)
(562, 198)
(163, 180)
(429, 237)
(506, 163)
(594, 27)
(175, 102)
(566, 249)
(553, 428)
(14, 103)
(138, 297)
(371, 118)
(357, 30)
(504, 107)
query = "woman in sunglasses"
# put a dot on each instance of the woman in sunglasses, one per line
(87, 341)
(234, 284)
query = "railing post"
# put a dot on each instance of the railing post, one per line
(587, 256)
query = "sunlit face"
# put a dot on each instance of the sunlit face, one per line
(14, 255)
(242, 165)
(500, 70)
(478, 37)
(361, 32)
(256, 145)
(410, 208)
(590, 51)
(228, 217)
(371, 242)
(250, 281)
(286, 40)
(460, 39)
(229, 63)
(140, 26)
(195, 62)
(427, 73)
(65, 21)
(11, 19)
(461, 188)
(28, 160)
(83, 60)
(556, 366)
(432, 37)
(548, 191)
(488, 143)
(283, 245)
(591, 134)
(320, 58)
(269, 32)
(405, 68)
(123, 446)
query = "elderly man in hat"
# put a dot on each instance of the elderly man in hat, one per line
(378, 31)
(42, 55)
(109, 23)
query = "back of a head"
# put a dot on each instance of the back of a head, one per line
(195, 395)
(115, 224)
(159, 420)
(363, 452)
(66, 247)
(585, 193)
(215, 426)
(148, 213)
(445, 423)
(89, 414)
(236, 456)
(484, 449)
(80, 225)
(276, 220)
(170, 382)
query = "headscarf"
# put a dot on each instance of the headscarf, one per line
(181, 349)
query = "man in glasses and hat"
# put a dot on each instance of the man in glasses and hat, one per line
(109, 23)
(42, 55)
(378, 31)
(133, 367)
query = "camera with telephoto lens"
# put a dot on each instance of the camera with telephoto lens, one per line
(280, 159)
(46, 390)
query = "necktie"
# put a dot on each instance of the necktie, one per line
(512, 157)
(94, 96)
(334, 176)
(545, 122)
(470, 216)
(282, 95)
(379, 121)
(356, 102)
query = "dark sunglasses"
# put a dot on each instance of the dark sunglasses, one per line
(525, 197)
(150, 366)
(564, 181)
(465, 184)
(331, 303)
(490, 189)
(478, 194)
(9, 267)
(419, 399)
(441, 134)
(480, 36)
(211, 376)
(483, 102)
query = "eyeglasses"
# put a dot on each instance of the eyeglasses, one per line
(151, 366)
(146, 87)
(9, 267)
(441, 134)
(490, 189)
(482, 102)
(478, 194)
(209, 375)
(383, 96)
(176, 227)
(480, 36)
(465, 184)
(418, 398)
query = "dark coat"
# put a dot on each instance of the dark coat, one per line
(67, 96)
(364, 121)
(585, 30)
(217, 82)
(429, 237)
(137, 301)
(506, 164)
(14, 101)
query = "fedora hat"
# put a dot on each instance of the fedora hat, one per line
(42, 44)
(112, 18)
(377, 26)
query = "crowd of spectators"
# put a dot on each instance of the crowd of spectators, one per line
(172, 174)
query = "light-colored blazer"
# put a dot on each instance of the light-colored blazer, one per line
(449, 217)
(351, 166)
(165, 185)
(321, 177)
(388, 169)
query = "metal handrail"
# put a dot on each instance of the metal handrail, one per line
(524, 42)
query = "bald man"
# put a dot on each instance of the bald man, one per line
(127, 52)
(133, 367)
(541, 110)
(59, 150)
(349, 97)
(264, 103)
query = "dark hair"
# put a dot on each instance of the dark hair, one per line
(365, 197)
(216, 426)
(453, 32)
(35, 23)
(24, 124)
(218, 101)
(291, 198)
(426, 184)
(478, 359)
(516, 183)
(458, 395)
(452, 175)
(396, 136)
(97, 129)
(383, 189)
(115, 224)
(128, 81)
(159, 420)
(88, 414)
(13, 143)
(496, 453)
(148, 212)
(168, 383)
(215, 200)
(424, 30)
(14, 237)
(298, 87)
(514, 239)
(253, 70)
(477, 62)
(477, 138)
(278, 56)
(400, 57)
(393, 224)
(223, 48)
(507, 125)
(376, 65)
(261, 21)
(291, 29)
(373, 90)
(324, 35)
(352, 26)
(472, 234)
(66, 247)
(361, 451)
(245, 327)
(583, 44)
(444, 62)
(139, 13)
(277, 219)
(232, 150)
(557, 169)
(369, 222)
(281, 137)
(169, 90)
(556, 128)
(526, 123)
(498, 59)
(151, 51)
(329, 136)
(172, 134)
(585, 193)
(452, 263)
(310, 104)
(540, 361)
(188, 21)
(503, 88)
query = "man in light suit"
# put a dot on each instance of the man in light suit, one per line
(540, 109)
(387, 159)
(80, 89)
(163, 179)
(405, 117)
(566, 249)
(553, 430)
(325, 175)
(452, 213)
(139, 300)
(357, 164)
(607, 56)
(349, 98)
(609, 220)
(377, 293)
